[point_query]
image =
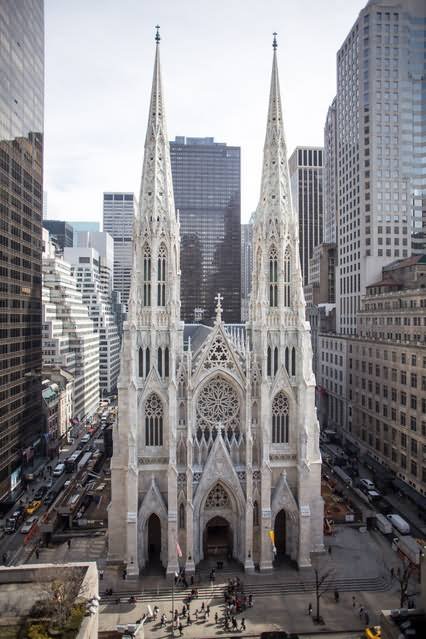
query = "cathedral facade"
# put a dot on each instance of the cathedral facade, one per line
(216, 446)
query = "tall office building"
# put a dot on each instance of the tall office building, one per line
(305, 165)
(330, 175)
(118, 218)
(246, 267)
(380, 136)
(92, 227)
(206, 182)
(21, 207)
(61, 233)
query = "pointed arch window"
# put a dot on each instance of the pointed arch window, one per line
(161, 276)
(287, 278)
(286, 359)
(269, 362)
(147, 276)
(153, 421)
(147, 361)
(280, 419)
(166, 362)
(140, 362)
(255, 513)
(293, 361)
(275, 360)
(182, 516)
(273, 277)
(160, 362)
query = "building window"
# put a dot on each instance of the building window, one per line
(140, 362)
(287, 277)
(269, 362)
(153, 421)
(280, 419)
(255, 513)
(161, 276)
(181, 516)
(273, 277)
(147, 276)
(293, 361)
(275, 360)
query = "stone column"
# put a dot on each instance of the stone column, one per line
(304, 554)
(172, 536)
(266, 554)
(248, 559)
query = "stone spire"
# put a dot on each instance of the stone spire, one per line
(275, 196)
(156, 231)
(156, 201)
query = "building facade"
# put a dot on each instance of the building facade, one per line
(21, 207)
(306, 175)
(60, 232)
(246, 267)
(380, 132)
(118, 220)
(217, 441)
(206, 181)
(69, 338)
(93, 272)
(330, 175)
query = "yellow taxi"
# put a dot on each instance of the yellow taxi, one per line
(373, 632)
(33, 506)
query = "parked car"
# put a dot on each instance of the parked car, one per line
(85, 438)
(399, 524)
(40, 492)
(373, 632)
(50, 498)
(14, 521)
(33, 506)
(59, 470)
(28, 525)
(366, 484)
(49, 482)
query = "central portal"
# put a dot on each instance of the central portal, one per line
(218, 539)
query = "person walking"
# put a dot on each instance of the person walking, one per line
(336, 596)
(243, 624)
(188, 619)
(310, 609)
(392, 572)
(180, 628)
(208, 612)
(353, 602)
(329, 550)
(366, 618)
(361, 611)
(37, 553)
(216, 618)
(69, 543)
(101, 575)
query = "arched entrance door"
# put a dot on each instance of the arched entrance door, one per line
(217, 539)
(154, 540)
(280, 533)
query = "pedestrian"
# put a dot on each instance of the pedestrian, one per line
(243, 624)
(207, 612)
(353, 602)
(310, 609)
(216, 618)
(37, 553)
(192, 580)
(366, 618)
(392, 572)
(234, 624)
(202, 606)
(196, 615)
(188, 619)
(180, 627)
(329, 550)
(101, 575)
(69, 543)
(361, 610)
(163, 620)
(336, 596)
(124, 574)
(4, 558)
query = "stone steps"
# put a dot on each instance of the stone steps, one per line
(374, 584)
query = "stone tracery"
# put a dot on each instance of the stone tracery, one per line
(217, 498)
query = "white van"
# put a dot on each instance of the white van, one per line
(399, 524)
(59, 470)
(383, 524)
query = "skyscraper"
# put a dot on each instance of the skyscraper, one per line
(246, 267)
(380, 135)
(330, 175)
(21, 207)
(305, 165)
(206, 182)
(118, 219)
(60, 232)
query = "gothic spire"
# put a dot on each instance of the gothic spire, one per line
(275, 198)
(156, 202)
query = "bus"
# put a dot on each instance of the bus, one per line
(72, 461)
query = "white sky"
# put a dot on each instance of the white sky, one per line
(216, 63)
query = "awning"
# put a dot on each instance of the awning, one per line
(409, 492)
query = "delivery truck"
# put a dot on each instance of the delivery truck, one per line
(383, 524)
(400, 525)
(408, 546)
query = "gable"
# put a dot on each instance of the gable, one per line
(219, 353)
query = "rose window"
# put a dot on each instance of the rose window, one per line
(217, 498)
(218, 404)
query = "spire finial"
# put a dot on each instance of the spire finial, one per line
(157, 34)
(219, 299)
(274, 42)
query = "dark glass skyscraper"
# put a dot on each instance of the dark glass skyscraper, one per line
(21, 178)
(62, 233)
(206, 183)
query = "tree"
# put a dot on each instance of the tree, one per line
(323, 582)
(403, 575)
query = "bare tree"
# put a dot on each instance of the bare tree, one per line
(403, 576)
(323, 583)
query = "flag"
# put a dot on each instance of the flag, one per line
(271, 534)
(178, 550)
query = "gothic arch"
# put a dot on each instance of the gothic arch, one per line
(152, 504)
(233, 383)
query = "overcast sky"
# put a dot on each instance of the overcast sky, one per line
(216, 63)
